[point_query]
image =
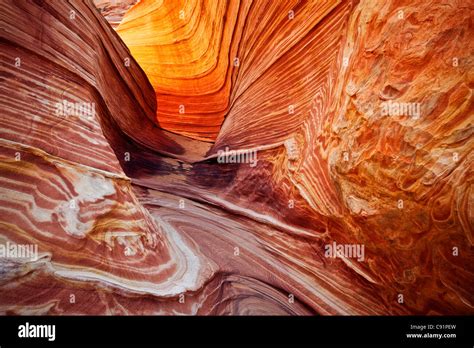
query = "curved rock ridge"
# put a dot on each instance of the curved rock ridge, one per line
(328, 172)
(62, 188)
(196, 52)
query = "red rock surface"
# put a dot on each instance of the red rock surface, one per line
(114, 10)
(132, 211)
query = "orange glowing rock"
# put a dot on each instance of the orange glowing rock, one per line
(195, 53)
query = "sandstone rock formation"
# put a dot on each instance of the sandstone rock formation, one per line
(354, 120)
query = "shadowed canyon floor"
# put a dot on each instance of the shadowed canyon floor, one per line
(237, 157)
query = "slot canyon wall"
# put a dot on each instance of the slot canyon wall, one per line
(212, 157)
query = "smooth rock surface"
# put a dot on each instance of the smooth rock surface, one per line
(361, 116)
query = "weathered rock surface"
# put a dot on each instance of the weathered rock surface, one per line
(359, 113)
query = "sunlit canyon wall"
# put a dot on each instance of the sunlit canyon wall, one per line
(237, 157)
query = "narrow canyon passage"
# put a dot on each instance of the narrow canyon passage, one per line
(210, 157)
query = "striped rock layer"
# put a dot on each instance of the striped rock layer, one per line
(359, 113)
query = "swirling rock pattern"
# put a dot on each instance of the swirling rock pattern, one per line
(113, 10)
(359, 114)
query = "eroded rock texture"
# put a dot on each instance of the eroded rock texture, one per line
(359, 114)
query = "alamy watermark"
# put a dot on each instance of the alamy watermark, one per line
(19, 251)
(81, 109)
(28, 330)
(291, 149)
(237, 156)
(390, 108)
(350, 251)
